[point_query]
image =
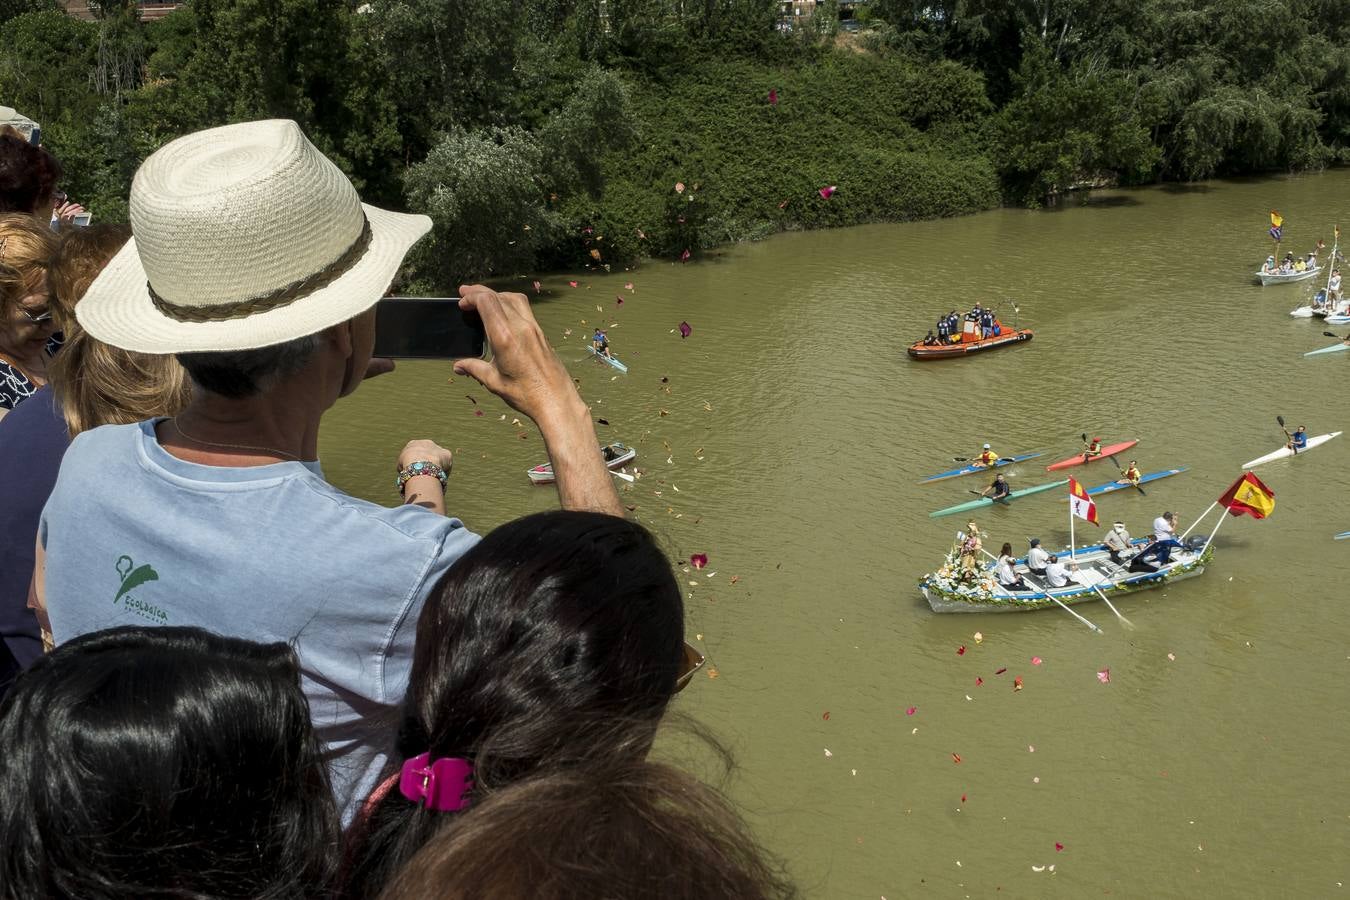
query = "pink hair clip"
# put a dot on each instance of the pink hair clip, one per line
(441, 785)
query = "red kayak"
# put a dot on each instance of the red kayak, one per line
(1079, 458)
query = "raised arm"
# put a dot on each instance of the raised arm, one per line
(527, 374)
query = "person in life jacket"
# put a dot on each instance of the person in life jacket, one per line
(988, 457)
(1131, 475)
(1094, 449)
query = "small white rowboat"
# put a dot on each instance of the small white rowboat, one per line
(1286, 277)
(1285, 452)
(616, 457)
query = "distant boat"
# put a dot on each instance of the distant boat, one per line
(1287, 277)
(976, 467)
(989, 501)
(1082, 457)
(1286, 452)
(1009, 338)
(1112, 486)
(616, 456)
(612, 360)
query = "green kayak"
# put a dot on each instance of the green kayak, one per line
(985, 501)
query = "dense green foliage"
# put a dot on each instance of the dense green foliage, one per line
(569, 132)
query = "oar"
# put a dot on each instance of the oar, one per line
(1046, 592)
(1003, 500)
(972, 459)
(1337, 336)
(1086, 445)
(1136, 485)
(1280, 419)
(624, 475)
(1100, 593)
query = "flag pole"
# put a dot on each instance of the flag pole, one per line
(1199, 520)
(1072, 557)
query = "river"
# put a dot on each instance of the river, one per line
(785, 438)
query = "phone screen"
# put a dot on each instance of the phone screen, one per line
(427, 328)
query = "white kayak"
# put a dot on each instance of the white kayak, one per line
(1285, 452)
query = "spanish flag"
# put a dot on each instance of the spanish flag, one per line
(1081, 503)
(1276, 220)
(1249, 497)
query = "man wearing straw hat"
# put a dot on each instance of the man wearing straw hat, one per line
(254, 261)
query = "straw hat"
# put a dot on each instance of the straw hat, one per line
(244, 236)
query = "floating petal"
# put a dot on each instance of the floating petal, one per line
(572, 283)
(1059, 847)
(956, 758)
(911, 711)
(773, 96)
(979, 637)
(1036, 660)
(684, 257)
(1104, 676)
(698, 560)
(679, 187)
(961, 650)
(685, 330)
(628, 286)
(537, 287)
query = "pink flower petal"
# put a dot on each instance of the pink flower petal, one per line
(685, 330)
(698, 560)
(1058, 846)
(1036, 660)
(773, 96)
(961, 651)
(679, 187)
(827, 192)
(536, 287)
(628, 286)
(1104, 676)
(911, 711)
(978, 681)
(619, 297)
(684, 257)
(572, 283)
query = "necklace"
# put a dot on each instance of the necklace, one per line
(268, 450)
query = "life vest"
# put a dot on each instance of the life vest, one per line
(989, 457)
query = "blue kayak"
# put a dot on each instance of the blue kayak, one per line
(1112, 486)
(1343, 535)
(976, 467)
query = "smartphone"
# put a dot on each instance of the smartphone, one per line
(82, 219)
(428, 328)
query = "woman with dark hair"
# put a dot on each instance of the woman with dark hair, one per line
(28, 176)
(533, 646)
(633, 830)
(162, 762)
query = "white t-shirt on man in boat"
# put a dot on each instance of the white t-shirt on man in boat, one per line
(1162, 529)
(1057, 574)
(1037, 558)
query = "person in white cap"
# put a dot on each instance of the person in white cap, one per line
(987, 457)
(254, 261)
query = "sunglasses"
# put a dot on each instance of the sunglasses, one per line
(44, 316)
(691, 663)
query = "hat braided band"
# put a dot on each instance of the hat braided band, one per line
(283, 296)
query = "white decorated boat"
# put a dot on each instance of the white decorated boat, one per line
(1093, 575)
(1287, 277)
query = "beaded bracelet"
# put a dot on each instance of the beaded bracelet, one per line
(421, 467)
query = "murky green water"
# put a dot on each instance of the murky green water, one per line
(787, 445)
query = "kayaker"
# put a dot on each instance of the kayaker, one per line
(1298, 441)
(601, 343)
(987, 457)
(998, 491)
(1131, 475)
(1093, 449)
(1056, 573)
(1117, 541)
(1037, 558)
(1007, 575)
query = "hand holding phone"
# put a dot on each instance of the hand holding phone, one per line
(428, 328)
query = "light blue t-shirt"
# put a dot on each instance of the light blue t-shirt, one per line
(135, 536)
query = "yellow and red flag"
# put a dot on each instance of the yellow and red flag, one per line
(1249, 497)
(1276, 220)
(1081, 503)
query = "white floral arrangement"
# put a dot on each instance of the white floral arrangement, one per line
(951, 578)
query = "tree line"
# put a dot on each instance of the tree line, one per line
(562, 133)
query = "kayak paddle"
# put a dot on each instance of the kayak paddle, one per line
(1280, 419)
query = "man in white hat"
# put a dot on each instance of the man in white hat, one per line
(254, 261)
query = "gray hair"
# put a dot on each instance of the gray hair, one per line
(246, 373)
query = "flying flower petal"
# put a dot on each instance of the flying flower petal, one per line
(684, 257)
(679, 187)
(978, 681)
(1058, 846)
(826, 717)
(477, 412)
(698, 560)
(963, 798)
(956, 758)
(1036, 660)
(828, 754)
(1104, 676)
(572, 283)
(1001, 671)
(773, 96)
(685, 330)
(961, 650)
(628, 286)
(537, 287)
(619, 298)
(911, 711)
(784, 204)
(1172, 657)
(827, 192)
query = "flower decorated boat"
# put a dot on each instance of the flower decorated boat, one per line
(950, 590)
(1286, 277)
(616, 457)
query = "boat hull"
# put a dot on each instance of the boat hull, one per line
(917, 350)
(617, 456)
(1286, 453)
(1078, 460)
(971, 505)
(1094, 568)
(1334, 348)
(973, 468)
(1267, 278)
(1148, 478)
(608, 359)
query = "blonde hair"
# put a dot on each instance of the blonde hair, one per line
(27, 252)
(97, 383)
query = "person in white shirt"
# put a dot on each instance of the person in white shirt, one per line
(1037, 558)
(1056, 572)
(1334, 286)
(1117, 541)
(1007, 574)
(1164, 539)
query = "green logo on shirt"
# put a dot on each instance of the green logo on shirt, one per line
(134, 576)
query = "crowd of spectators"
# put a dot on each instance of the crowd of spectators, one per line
(222, 676)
